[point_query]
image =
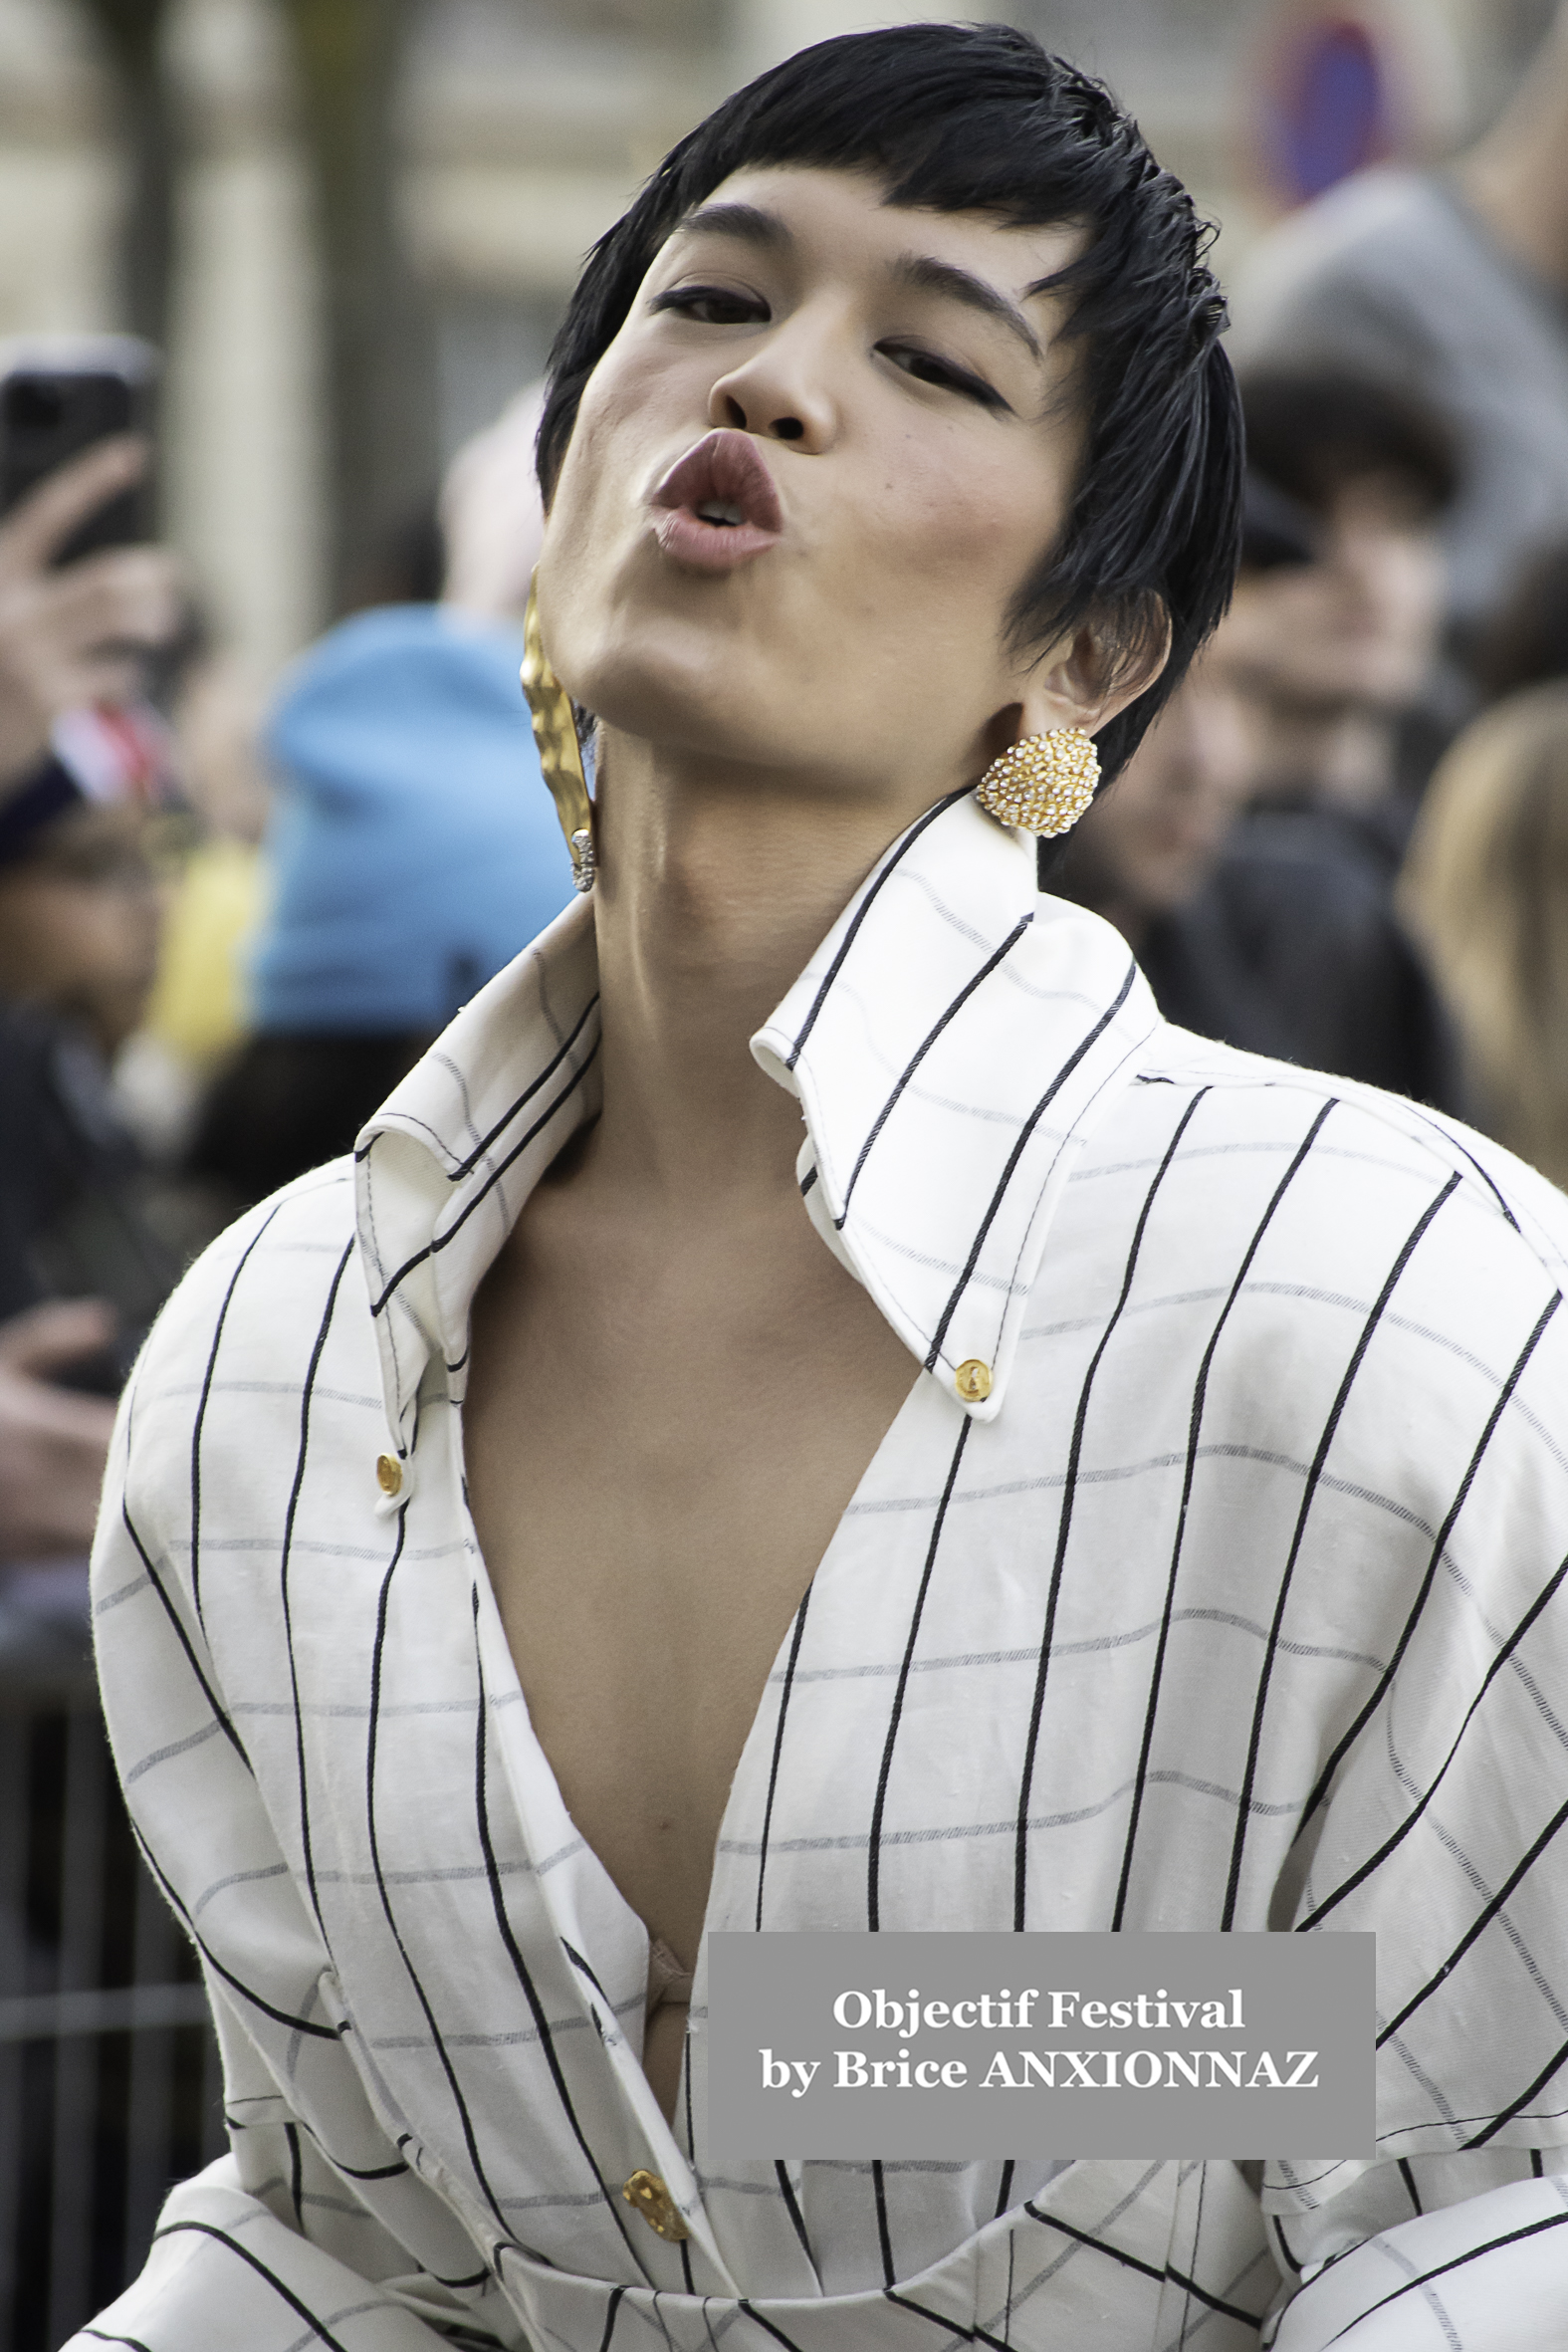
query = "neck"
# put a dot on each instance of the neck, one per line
(1516, 177)
(713, 890)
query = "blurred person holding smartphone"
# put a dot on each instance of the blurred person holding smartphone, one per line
(80, 616)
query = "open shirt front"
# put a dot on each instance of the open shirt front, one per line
(1233, 1604)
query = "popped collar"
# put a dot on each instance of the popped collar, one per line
(942, 1116)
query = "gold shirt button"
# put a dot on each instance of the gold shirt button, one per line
(388, 1474)
(972, 1382)
(656, 2203)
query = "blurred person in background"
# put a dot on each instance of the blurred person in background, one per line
(196, 1017)
(1331, 640)
(1449, 286)
(1262, 936)
(1335, 625)
(79, 1268)
(412, 851)
(491, 515)
(1485, 888)
(1269, 926)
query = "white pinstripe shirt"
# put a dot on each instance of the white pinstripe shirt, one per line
(1236, 1604)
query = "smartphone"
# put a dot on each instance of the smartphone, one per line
(59, 394)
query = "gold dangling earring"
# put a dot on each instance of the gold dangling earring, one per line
(1044, 783)
(560, 755)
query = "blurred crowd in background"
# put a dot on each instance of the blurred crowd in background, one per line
(240, 893)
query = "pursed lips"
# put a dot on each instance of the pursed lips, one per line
(717, 508)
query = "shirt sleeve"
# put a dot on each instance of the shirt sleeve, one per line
(1489, 2273)
(1441, 1828)
(224, 2269)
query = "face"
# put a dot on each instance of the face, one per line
(1151, 840)
(806, 480)
(80, 924)
(1358, 628)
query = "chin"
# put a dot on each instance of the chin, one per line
(696, 719)
(693, 686)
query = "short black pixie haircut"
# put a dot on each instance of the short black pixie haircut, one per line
(982, 118)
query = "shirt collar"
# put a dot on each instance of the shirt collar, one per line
(951, 1044)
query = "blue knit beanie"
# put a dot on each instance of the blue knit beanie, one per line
(413, 846)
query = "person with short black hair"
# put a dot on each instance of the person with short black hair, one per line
(811, 1407)
(1314, 431)
(1273, 930)
(1334, 631)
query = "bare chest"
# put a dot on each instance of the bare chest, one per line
(659, 1449)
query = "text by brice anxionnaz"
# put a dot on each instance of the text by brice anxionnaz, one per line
(1183, 2057)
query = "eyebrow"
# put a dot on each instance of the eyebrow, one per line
(748, 222)
(926, 274)
(921, 272)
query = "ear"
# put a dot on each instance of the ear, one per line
(1086, 679)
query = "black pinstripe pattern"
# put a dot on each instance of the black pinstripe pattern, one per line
(797, 1636)
(1016, 1155)
(948, 1015)
(1195, 1425)
(187, 1649)
(1182, 1568)
(879, 883)
(1395, 1837)
(199, 1421)
(520, 1967)
(1504, 1397)
(458, 1170)
(481, 1193)
(1065, 1522)
(895, 1713)
(284, 1564)
(248, 1993)
(285, 2295)
(1308, 1495)
(465, 2119)
(1462, 2261)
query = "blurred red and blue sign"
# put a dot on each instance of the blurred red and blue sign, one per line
(1330, 88)
(1331, 112)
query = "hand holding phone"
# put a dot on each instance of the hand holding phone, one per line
(75, 633)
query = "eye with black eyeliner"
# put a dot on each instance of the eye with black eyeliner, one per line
(926, 367)
(712, 305)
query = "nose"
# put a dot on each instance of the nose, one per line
(781, 390)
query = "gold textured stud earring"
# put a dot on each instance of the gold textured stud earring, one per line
(560, 755)
(1044, 783)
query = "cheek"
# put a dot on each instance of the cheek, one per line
(948, 515)
(632, 405)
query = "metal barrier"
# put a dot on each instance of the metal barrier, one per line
(110, 2087)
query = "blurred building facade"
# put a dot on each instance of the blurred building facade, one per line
(522, 128)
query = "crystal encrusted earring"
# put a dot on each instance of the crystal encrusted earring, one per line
(1044, 783)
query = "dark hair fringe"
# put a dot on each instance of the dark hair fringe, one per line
(1311, 429)
(980, 117)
